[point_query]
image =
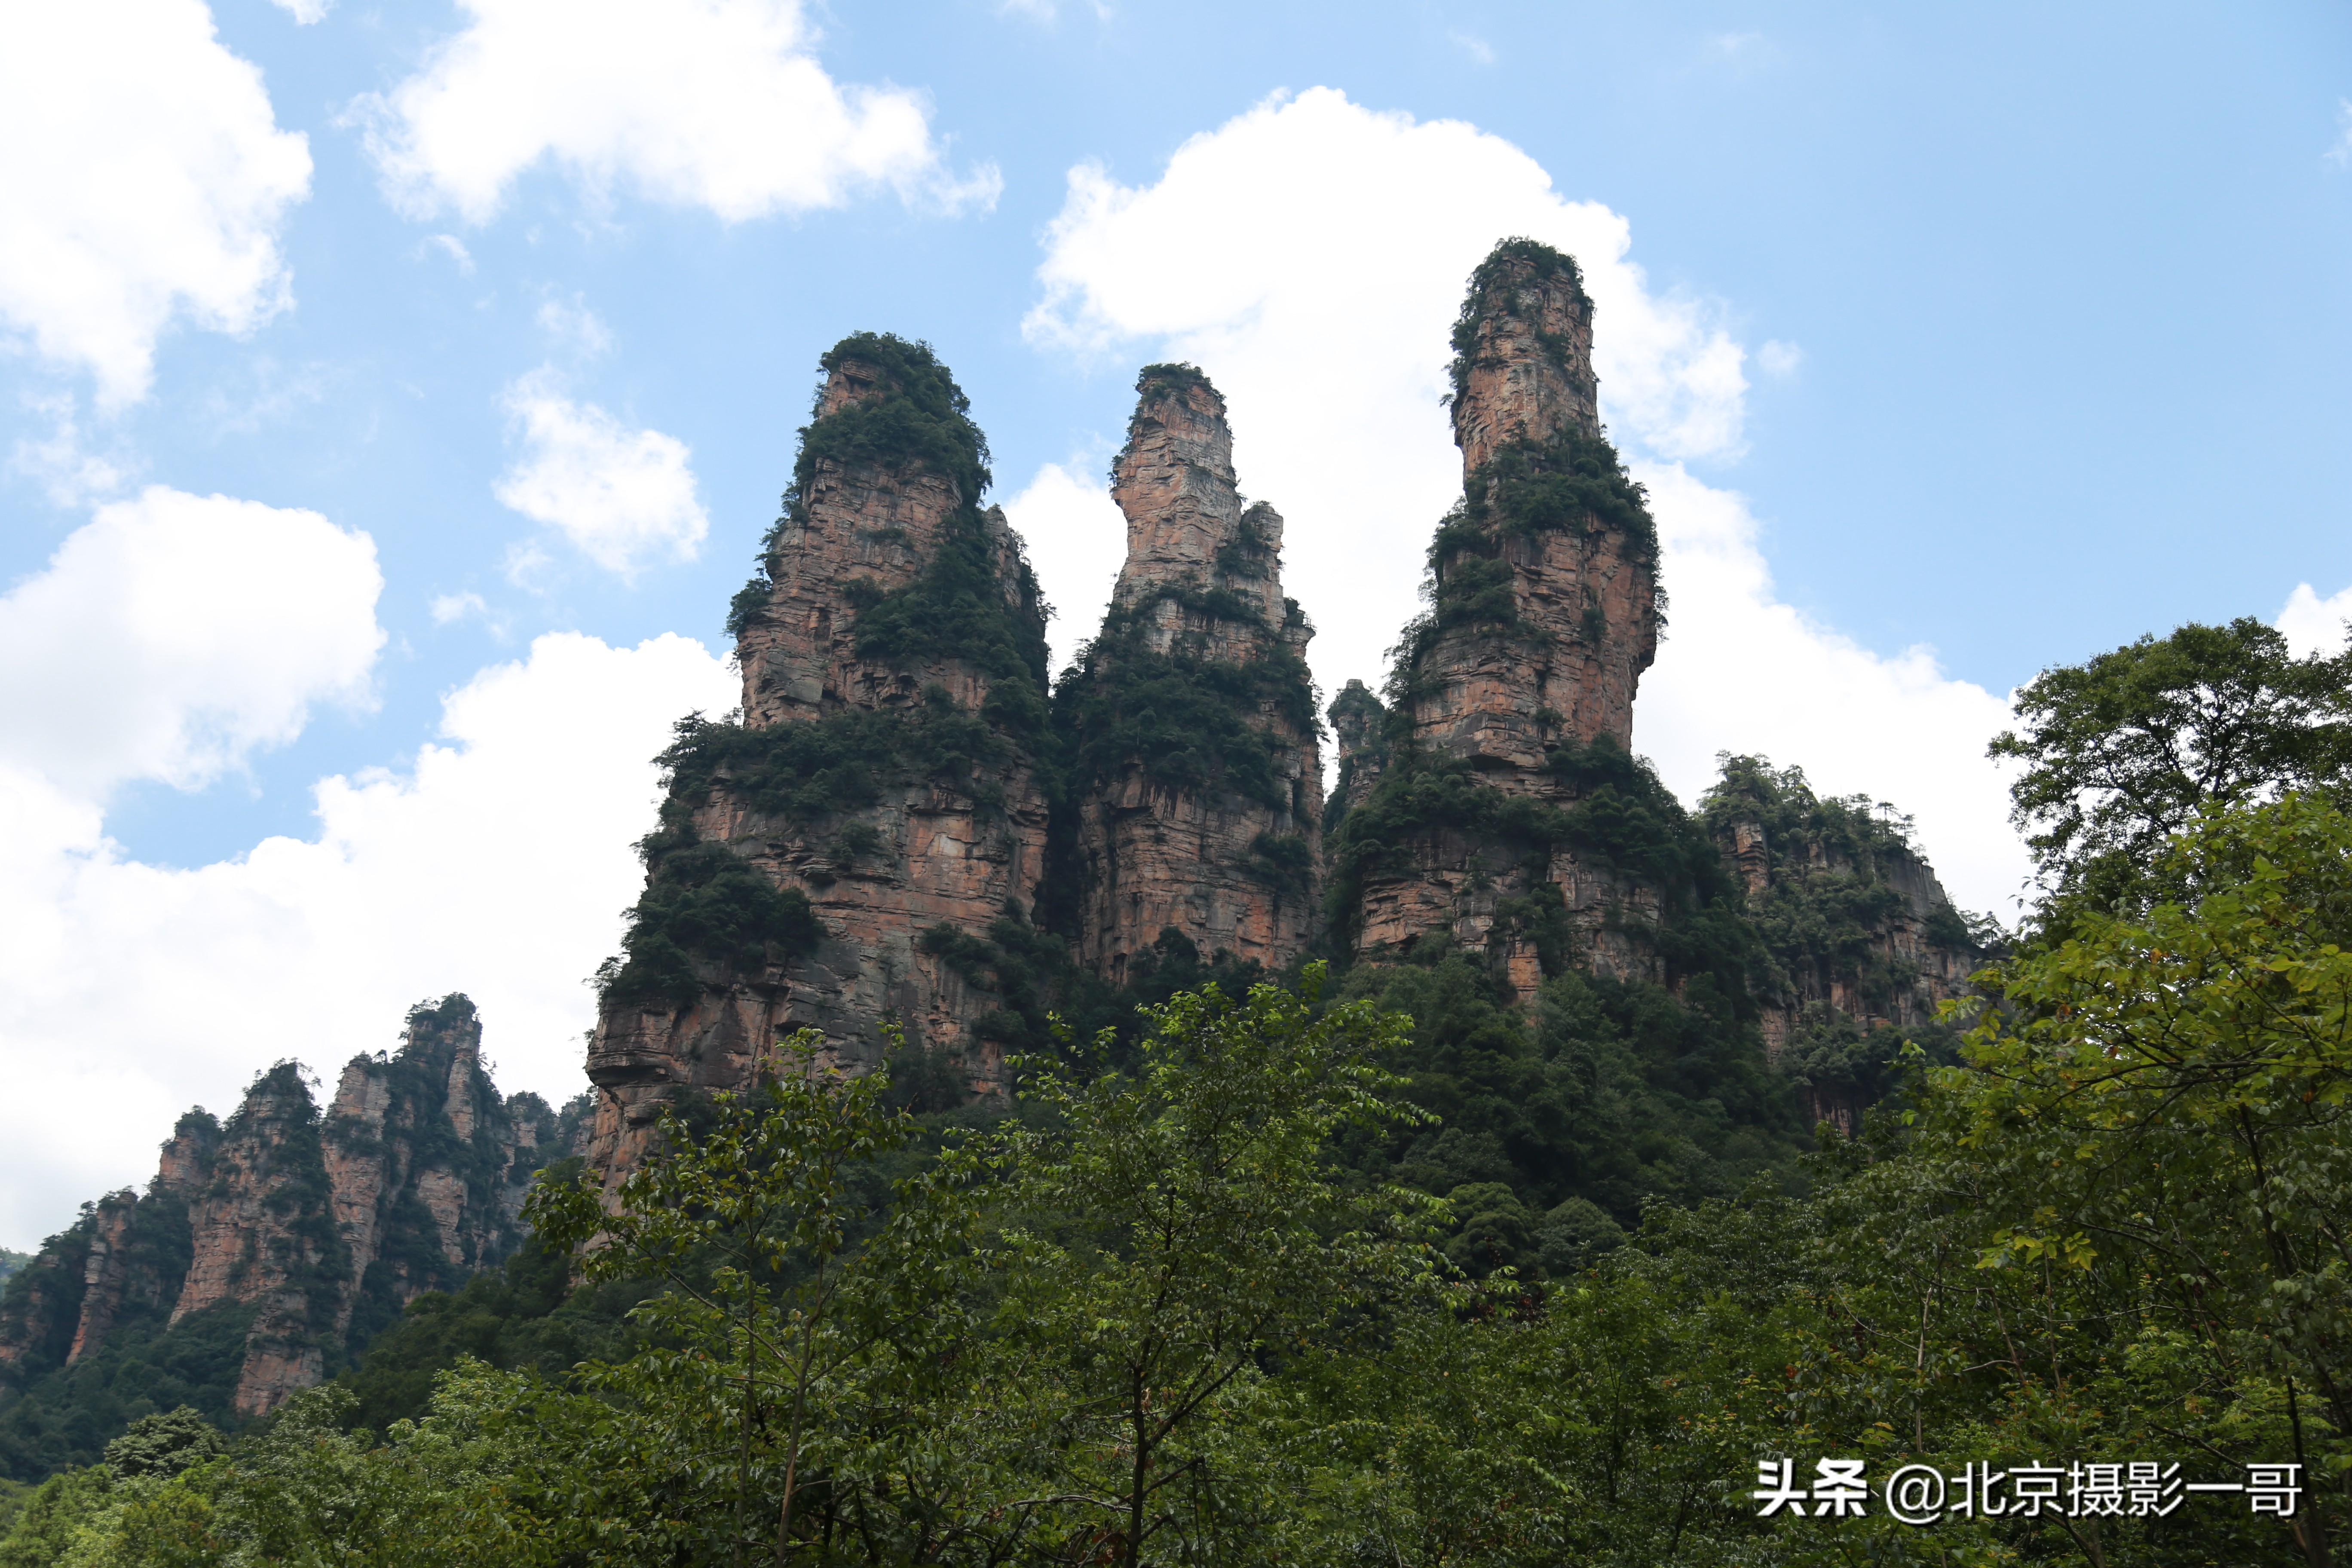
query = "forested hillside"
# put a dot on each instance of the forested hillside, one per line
(1035, 1126)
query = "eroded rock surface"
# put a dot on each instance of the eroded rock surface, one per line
(1197, 757)
(313, 1231)
(884, 768)
(1543, 616)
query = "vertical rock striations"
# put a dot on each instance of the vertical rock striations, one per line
(291, 1236)
(1195, 767)
(1512, 697)
(878, 798)
(1543, 581)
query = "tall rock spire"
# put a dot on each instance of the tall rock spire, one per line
(1544, 613)
(1519, 679)
(1196, 764)
(1523, 370)
(818, 860)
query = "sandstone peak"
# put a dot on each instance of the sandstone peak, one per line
(1198, 780)
(302, 1231)
(1174, 482)
(879, 803)
(1523, 353)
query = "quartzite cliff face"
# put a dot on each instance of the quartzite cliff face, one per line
(1543, 615)
(882, 780)
(300, 1234)
(1192, 721)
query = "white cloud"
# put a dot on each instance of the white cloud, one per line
(2341, 154)
(175, 635)
(497, 865)
(574, 326)
(1778, 359)
(146, 180)
(711, 103)
(62, 462)
(1078, 541)
(1336, 241)
(1740, 671)
(450, 246)
(1480, 51)
(304, 12)
(2312, 624)
(623, 497)
(448, 607)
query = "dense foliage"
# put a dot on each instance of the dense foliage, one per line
(2121, 752)
(918, 418)
(1189, 722)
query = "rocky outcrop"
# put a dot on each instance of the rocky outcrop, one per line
(1195, 746)
(1519, 680)
(1543, 583)
(880, 792)
(1359, 730)
(311, 1231)
(1858, 934)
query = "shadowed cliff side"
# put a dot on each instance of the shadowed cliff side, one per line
(1189, 724)
(879, 787)
(1861, 944)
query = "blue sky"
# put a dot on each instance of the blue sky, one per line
(396, 395)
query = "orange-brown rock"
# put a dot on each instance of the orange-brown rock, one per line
(891, 615)
(312, 1232)
(1198, 774)
(1859, 932)
(1543, 615)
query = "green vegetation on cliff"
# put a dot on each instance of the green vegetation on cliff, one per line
(1174, 1312)
(705, 908)
(1511, 261)
(1616, 816)
(918, 419)
(1186, 721)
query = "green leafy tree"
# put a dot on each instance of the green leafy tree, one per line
(2121, 752)
(749, 1398)
(2172, 1090)
(162, 1444)
(1180, 1231)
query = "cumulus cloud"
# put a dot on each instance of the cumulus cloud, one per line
(304, 12)
(498, 864)
(1740, 671)
(175, 635)
(624, 498)
(1322, 255)
(147, 181)
(1077, 540)
(718, 104)
(2312, 624)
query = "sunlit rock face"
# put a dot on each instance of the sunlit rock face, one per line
(1543, 616)
(1208, 830)
(915, 805)
(311, 1230)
